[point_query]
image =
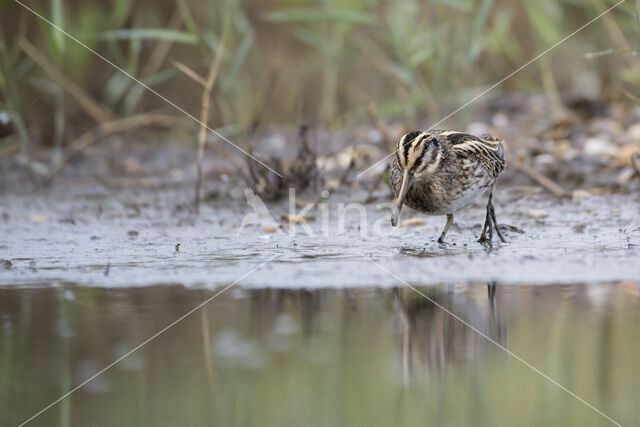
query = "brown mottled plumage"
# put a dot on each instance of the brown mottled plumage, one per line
(439, 172)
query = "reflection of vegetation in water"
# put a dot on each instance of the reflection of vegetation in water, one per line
(325, 357)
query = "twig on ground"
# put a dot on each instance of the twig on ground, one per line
(97, 112)
(108, 128)
(540, 179)
(635, 162)
(204, 118)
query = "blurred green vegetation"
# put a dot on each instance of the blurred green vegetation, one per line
(287, 61)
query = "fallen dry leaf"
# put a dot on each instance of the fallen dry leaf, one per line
(332, 184)
(626, 153)
(579, 228)
(580, 194)
(538, 213)
(513, 228)
(38, 218)
(298, 219)
(132, 166)
(302, 203)
(412, 222)
(625, 176)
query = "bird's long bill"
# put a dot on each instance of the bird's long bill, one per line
(407, 178)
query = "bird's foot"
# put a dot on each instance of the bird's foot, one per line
(485, 241)
(502, 239)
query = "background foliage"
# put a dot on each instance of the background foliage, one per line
(288, 61)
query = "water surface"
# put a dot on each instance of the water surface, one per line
(361, 356)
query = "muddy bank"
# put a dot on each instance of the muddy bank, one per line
(121, 212)
(93, 236)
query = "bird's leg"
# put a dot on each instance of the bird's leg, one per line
(495, 223)
(488, 222)
(493, 215)
(484, 228)
(491, 290)
(446, 228)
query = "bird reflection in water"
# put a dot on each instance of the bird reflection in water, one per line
(430, 339)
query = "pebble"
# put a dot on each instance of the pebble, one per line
(634, 132)
(597, 147)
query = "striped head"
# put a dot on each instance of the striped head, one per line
(418, 153)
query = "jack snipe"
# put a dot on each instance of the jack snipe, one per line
(440, 172)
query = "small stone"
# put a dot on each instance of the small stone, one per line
(598, 147)
(538, 213)
(133, 233)
(634, 132)
(478, 128)
(500, 120)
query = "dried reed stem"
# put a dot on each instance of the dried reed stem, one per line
(204, 119)
(91, 107)
(190, 73)
(540, 179)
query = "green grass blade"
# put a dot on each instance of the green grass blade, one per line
(149, 34)
(187, 17)
(319, 14)
(57, 16)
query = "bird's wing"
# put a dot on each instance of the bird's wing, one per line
(487, 151)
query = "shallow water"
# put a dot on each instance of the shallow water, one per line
(355, 356)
